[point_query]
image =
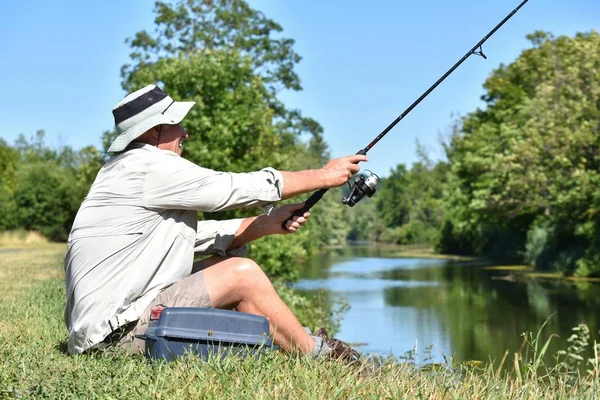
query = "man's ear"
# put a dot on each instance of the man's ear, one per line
(155, 132)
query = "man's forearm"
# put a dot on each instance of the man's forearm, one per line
(250, 229)
(294, 183)
(298, 182)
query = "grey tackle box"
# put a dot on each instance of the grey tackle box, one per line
(174, 331)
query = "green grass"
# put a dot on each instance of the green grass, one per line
(33, 363)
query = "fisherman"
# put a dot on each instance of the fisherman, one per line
(134, 238)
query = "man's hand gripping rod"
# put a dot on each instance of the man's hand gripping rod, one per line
(477, 50)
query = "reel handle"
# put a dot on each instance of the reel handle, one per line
(313, 199)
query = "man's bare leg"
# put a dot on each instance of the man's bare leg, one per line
(237, 282)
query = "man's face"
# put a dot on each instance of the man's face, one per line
(172, 137)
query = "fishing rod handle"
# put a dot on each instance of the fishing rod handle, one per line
(311, 201)
(314, 198)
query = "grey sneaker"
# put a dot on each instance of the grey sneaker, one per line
(339, 349)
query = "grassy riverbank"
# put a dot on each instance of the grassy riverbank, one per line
(33, 363)
(408, 251)
(513, 272)
(427, 252)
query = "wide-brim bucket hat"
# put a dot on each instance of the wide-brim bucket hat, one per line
(143, 110)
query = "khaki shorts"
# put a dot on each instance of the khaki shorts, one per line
(188, 292)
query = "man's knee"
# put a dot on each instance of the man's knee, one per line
(245, 265)
(249, 273)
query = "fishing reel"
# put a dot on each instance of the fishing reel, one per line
(363, 184)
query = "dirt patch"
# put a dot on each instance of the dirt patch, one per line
(19, 239)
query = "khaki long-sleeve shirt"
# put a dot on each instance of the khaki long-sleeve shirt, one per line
(136, 233)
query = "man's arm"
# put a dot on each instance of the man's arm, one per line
(229, 236)
(335, 173)
(175, 183)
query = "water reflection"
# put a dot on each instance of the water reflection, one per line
(461, 309)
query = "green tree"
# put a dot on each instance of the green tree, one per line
(189, 27)
(426, 182)
(365, 222)
(392, 200)
(231, 125)
(87, 163)
(9, 160)
(35, 148)
(530, 159)
(410, 203)
(41, 187)
(45, 199)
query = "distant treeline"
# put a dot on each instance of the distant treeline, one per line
(41, 188)
(520, 182)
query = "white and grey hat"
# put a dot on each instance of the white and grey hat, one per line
(142, 110)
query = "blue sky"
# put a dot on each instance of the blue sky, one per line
(363, 64)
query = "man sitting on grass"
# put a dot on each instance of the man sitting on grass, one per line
(135, 235)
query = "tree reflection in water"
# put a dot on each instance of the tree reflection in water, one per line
(465, 309)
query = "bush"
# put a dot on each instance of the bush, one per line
(280, 256)
(390, 235)
(8, 209)
(46, 201)
(312, 311)
(588, 265)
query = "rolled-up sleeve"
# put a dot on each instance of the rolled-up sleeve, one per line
(179, 184)
(215, 237)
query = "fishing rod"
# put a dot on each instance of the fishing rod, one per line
(366, 185)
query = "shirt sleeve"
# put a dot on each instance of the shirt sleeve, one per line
(215, 237)
(176, 183)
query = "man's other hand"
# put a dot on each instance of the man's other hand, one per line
(277, 216)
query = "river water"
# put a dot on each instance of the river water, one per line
(434, 309)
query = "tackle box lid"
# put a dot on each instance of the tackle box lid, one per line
(209, 324)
